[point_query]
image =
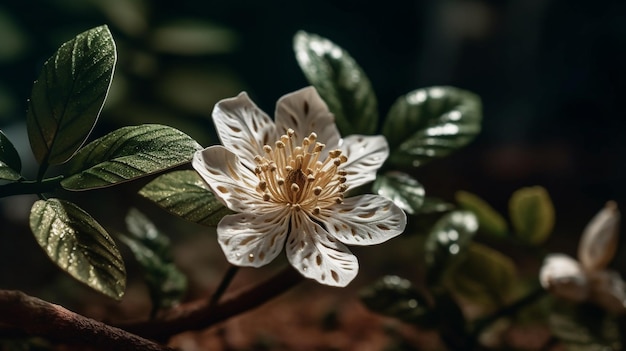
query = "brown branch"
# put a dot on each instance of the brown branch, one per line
(21, 313)
(200, 315)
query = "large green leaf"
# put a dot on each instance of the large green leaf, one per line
(484, 276)
(406, 192)
(166, 283)
(340, 82)
(396, 297)
(532, 214)
(185, 194)
(79, 245)
(431, 123)
(10, 163)
(490, 221)
(447, 243)
(69, 94)
(128, 153)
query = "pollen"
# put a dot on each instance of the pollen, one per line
(300, 174)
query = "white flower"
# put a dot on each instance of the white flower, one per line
(287, 179)
(587, 279)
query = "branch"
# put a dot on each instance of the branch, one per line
(30, 187)
(200, 315)
(21, 313)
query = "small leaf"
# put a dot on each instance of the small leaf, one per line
(406, 192)
(490, 221)
(431, 123)
(186, 195)
(68, 96)
(340, 82)
(532, 214)
(79, 245)
(484, 276)
(166, 283)
(126, 154)
(10, 163)
(447, 242)
(396, 297)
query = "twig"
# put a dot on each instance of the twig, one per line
(200, 315)
(21, 313)
(221, 289)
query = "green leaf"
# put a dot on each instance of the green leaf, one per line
(484, 276)
(340, 82)
(406, 192)
(166, 283)
(186, 195)
(431, 123)
(10, 163)
(128, 153)
(490, 221)
(447, 242)
(69, 94)
(532, 214)
(396, 297)
(79, 245)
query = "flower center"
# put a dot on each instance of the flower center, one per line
(295, 175)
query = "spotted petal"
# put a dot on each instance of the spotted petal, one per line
(232, 183)
(364, 220)
(304, 111)
(564, 277)
(317, 255)
(365, 156)
(253, 240)
(243, 128)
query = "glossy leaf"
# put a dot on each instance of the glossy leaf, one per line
(431, 123)
(69, 94)
(126, 154)
(406, 192)
(340, 82)
(186, 195)
(532, 214)
(10, 163)
(490, 221)
(151, 248)
(447, 242)
(79, 245)
(484, 276)
(396, 297)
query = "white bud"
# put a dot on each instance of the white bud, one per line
(563, 276)
(599, 239)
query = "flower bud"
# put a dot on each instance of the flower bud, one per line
(599, 239)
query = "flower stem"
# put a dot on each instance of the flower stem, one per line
(30, 187)
(226, 280)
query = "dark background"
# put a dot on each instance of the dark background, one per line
(550, 73)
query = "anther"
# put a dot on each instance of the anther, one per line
(342, 180)
(266, 197)
(318, 147)
(317, 190)
(334, 153)
(295, 188)
(297, 207)
(258, 159)
(263, 185)
(342, 172)
(280, 181)
(310, 178)
(267, 149)
(343, 187)
(343, 158)
(336, 162)
(279, 144)
(290, 132)
(317, 211)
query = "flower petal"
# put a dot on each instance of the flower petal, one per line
(599, 240)
(609, 291)
(365, 156)
(305, 112)
(364, 220)
(317, 255)
(232, 183)
(243, 128)
(253, 240)
(563, 276)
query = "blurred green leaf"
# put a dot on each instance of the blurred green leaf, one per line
(447, 242)
(126, 154)
(396, 297)
(340, 82)
(435, 205)
(406, 192)
(68, 96)
(431, 123)
(490, 221)
(186, 195)
(484, 276)
(584, 327)
(79, 245)
(10, 163)
(193, 37)
(166, 283)
(532, 214)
